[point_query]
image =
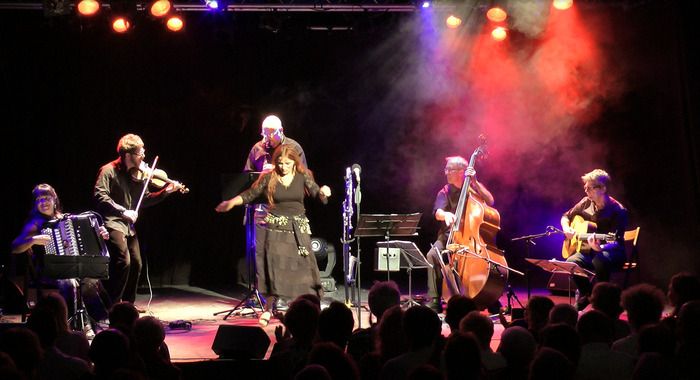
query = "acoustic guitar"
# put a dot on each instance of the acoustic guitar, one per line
(573, 245)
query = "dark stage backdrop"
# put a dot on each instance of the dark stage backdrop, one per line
(197, 99)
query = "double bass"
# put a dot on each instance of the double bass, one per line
(476, 267)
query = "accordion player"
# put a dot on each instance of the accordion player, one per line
(76, 248)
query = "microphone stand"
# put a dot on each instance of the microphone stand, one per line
(530, 242)
(358, 199)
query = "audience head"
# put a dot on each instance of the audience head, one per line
(425, 372)
(657, 338)
(24, 348)
(43, 323)
(479, 325)
(462, 356)
(122, 316)
(391, 341)
(517, 347)
(606, 298)
(109, 351)
(421, 326)
(57, 305)
(313, 298)
(594, 326)
(563, 338)
(537, 312)
(334, 360)
(313, 372)
(563, 313)
(149, 334)
(644, 304)
(688, 325)
(682, 288)
(551, 364)
(457, 307)
(335, 324)
(383, 295)
(301, 320)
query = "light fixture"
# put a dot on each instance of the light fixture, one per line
(453, 21)
(160, 8)
(175, 23)
(121, 25)
(496, 14)
(562, 4)
(87, 7)
(499, 33)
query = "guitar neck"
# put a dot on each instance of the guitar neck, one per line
(585, 236)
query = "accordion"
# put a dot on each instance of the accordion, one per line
(76, 249)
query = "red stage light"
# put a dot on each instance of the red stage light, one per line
(121, 25)
(160, 8)
(88, 7)
(175, 23)
(499, 33)
(496, 14)
(562, 4)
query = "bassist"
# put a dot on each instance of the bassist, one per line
(603, 214)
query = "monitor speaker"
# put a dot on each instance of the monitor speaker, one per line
(240, 342)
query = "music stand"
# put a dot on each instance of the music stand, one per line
(78, 268)
(388, 225)
(411, 258)
(232, 185)
(556, 266)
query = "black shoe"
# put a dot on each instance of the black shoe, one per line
(435, 305)
(582, 302)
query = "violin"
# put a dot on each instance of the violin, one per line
(159, 178)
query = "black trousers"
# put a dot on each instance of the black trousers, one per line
(602, 263)
(124, 266)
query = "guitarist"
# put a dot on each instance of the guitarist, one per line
(603, 214)
(456, 170)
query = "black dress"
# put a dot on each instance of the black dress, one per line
(287, 268)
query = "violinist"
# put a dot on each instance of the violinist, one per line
(456, 170)
(607, 215)
(117, 192)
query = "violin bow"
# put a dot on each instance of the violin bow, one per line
(145, 184)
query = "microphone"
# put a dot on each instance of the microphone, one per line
(357, 170)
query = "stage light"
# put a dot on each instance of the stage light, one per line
(175, 23)
(160, 8)
(54, 8)
(426, 4)
(121, 25)
(496, 14)
(88, 7)
(453, 21)
(562, 4)
(216, 5)
(499, 33)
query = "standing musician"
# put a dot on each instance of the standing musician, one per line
(285, 263)
(259, 159)
(46, 207)
(456, 168)
(606, 215)
(117, 194)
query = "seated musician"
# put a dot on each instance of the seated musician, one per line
(456, 168)
(603, 214)
(30, 245)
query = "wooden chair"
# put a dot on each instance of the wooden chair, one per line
(632, 261)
